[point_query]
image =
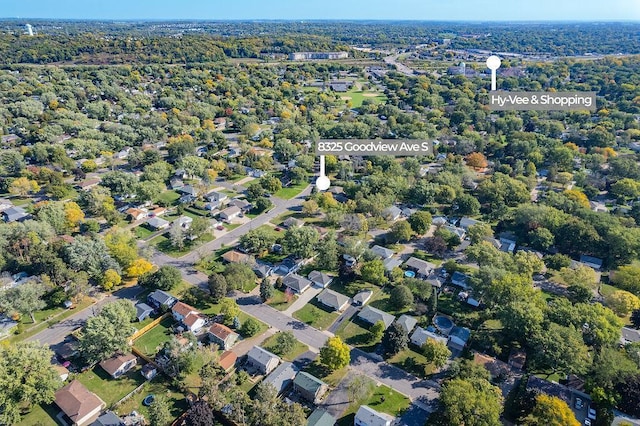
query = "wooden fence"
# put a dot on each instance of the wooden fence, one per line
(149, 326)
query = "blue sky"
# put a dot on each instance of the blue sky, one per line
(484, 10)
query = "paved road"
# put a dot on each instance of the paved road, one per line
(423, 393)
(58, 332)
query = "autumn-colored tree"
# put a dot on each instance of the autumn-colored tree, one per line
(552, 411)
(73, 214)
(335, 354)
(622, 302)
(110, 279)
(23, 186)
(577, 196)
(138, 267)
(476, 160)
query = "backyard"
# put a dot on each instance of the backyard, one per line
(111, 390)
(158, 386)
(383, 399)
(152, 340)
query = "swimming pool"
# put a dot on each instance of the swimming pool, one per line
(410, 274)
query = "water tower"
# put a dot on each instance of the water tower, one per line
(463, 68)
(29, 30)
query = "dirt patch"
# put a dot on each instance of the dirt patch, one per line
(346, 98)
(370, 95)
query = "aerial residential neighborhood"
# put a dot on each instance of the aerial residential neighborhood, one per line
(171, 255)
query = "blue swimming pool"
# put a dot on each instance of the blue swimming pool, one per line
(410, 274)
(443, 323)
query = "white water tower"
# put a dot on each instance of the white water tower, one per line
(463, 68)
(29, 30)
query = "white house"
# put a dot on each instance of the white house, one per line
(119, 364)
(420, 336)
(79, 404)
(367, 416)
(230, 213)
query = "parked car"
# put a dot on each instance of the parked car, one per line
(592, 413)
(587, 422)
(579, 404)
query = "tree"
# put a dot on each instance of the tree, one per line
(230, 309)
(436, 352)
(473, 402)
(400, 231)
(139, 267)
(328, 252)
(376, 331)
(159, 414)
(218, 287)
(239, 276)
(270, 184)
(579, 294)
(541, 238)
(635, 318)
(73, 214)
(120, 183)
(110, 279)
(360, 387)
(250, 327)
(401, 297)
(148, 190)
(335, 354)
(626, 189)
(27, 378)
(107, 332)
(436, 245)
(90, 254)
(560, 348)
(373, 272)
(622, 302)
(476, 160)
(630, 388)
(301, 242)
(165, 278)
(122, 246)
(310, 207)
(24, 299)
(177, 236)
(479, 232)
(257, 240)
(581, 275)
(199, 227)
(284, 342)
(266, 290)
(23, 186)
(551, 410)
(420, 222)
(200, 414)
(466, 205)
(395, 339)
(628, 278)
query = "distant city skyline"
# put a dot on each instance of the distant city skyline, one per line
(421, 10)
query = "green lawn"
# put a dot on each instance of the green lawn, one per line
(291, 191)
(315, 315)
(353, 334)
(332, 378)
(163, 244)
(231, 226)
(213, 263)
(152, 340)
(279, 301)
(298, 349)
(158, 386)
(383, 399)
(270, 230)
(607, 289)
(170, 197)
(109, 389)
(357, 96)
(44, 414)
(412, 362)
(143, 231)
(382, 300)
(351, 288)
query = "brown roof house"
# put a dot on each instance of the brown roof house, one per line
(119, 364)
(227, 360)
(81, 406)
(188, 316)
(222, 336)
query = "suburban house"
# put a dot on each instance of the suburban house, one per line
(188, 190)
(158, 211)
(392, 213)
(333, 300)
(176, 183)
(320, 279)
(507, 245)
(458, 338)
(14, 214)
(382, 252)
(79, 405)
(234, 256)
(262, 270)
(421, 335)
(188, 316)
(459, 232)
(222, 336)
(467, 222)
(5, 204)
(495, 367)
(422, 268)
(136, 214)
(143, 311)
(159, 299)
(362, 297)
(292, 222)
(366, 416)
(288, 265)
(216, 198)
(262, 360)
(119, 364)
(86, 185)
(183, 222)
(229, 213)
(157, 223)
(459, 279)
(391, 263)
(298, 284)
(309, 387)
(243, 205)
(592, 262)
(373, 315)
(407, 322)
(227, 360)
(6, 325)
(282, 377)
(320, 417)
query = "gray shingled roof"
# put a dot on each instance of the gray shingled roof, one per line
(373, 315)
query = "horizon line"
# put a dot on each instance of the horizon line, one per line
(308, 20)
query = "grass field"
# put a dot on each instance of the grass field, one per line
(353, 334)
(412, 362)
(271, 345)
(332, 378)
(358, 96)
(169, 197)
(109, 389)
(143, 232)
(152, 340)
(291, 191)
(163, 244)
(44, 414)
(279, 301)
(315, 315)
(383, 399)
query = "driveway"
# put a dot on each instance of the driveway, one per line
(58, 332)
(345, 316)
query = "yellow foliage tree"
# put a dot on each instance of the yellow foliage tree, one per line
(110, 279)
(551, 411)
(23, 186)
(578, 197)
(622, 302)
(139, 267)
(73, 214)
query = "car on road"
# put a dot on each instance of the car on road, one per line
(587, 422)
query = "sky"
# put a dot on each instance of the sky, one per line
(428, 10)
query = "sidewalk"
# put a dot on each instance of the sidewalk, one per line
(245, 345)
(302, 300)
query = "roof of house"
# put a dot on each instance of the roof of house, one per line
(227, 360)
(332, 299)
(191, 319)
(135, 212)
(420, 265)
(162, 297)
(240, 203)
(292, 222)
(308, 382)
(183, 220)
(373, 315)
(420, 336)
(262, 269)
(282, 376)
(320, 277)
(142, 308)
(15, 213)
(391, 263)
(320, 417)
(549, 388)
(113, 364)
(383, 252)
(188, 190)
(461, 333)
(363, 296)
(371, 417)
(231, 211)
(157, 222)
(467, 222)
(392, 212)
(109, 418)
(591, 261)
(495, 367)
(407, 322)
(261, 356)
(183, 309)
(296, 282)
(234, 256)
(221, 331)
(216, 196)
(76, 401)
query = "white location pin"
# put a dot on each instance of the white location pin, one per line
(322, 183)
(493, 63)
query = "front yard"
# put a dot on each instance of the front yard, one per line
(163, 243)
(315, 315)
(353, 334)
(279, 300)
(270, 344)
(412, 362)
(383, 399)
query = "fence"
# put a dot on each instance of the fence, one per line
(149, 326)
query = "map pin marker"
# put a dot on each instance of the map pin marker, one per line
(322, 183)
(493, 63)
